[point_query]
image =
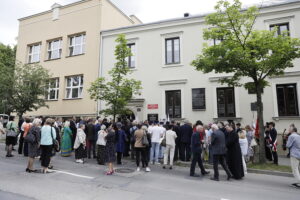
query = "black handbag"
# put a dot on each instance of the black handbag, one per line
(56, 145)
(145, 141)
(30, 137)
(164, 141)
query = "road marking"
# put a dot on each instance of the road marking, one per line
(224, 199)
(72, 174)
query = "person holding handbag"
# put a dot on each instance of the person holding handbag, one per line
(170, 146)
(140, 148)
(48, 134)
(11, 135)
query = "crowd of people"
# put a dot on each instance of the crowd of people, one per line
(147, 143)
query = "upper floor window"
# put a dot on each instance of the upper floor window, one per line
(34, 53)
(77, 45)
(283, 27)
(74, 87)
(226, 102)
(54, 49)
(53, 89)
(287, 100)
(172, 48)
(131, 59)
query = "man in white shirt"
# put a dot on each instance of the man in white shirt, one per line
(156, 134)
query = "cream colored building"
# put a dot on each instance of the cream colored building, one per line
(66, 41)
(173, 89)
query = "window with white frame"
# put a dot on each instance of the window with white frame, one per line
(34, 53)
(74, 87)
(77, 45)
(53, 89)
(172, 48)
(131, 59)
(54, 49)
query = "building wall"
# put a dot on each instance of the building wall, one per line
(90, 17)
(157, 77)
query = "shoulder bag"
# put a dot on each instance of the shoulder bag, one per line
(30, 137)
(164, 141)
(10, 132)
(56, 146)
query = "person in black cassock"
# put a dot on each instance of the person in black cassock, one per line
(234, 155)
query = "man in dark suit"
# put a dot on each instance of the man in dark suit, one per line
(273, 135)
(196, 146)
(186, 132)
(218, 150)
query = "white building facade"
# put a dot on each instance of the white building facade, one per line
(173, 89)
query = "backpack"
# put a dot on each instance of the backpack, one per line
(132, 138)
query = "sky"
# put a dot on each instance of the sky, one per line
(146, 10)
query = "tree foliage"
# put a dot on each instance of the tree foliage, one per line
(7, 65)
(244, 51)
(30, 87)
(22, 86)
(119, 90)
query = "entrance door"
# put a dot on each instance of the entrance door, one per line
(173, 104)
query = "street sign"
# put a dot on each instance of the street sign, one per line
(152, 106)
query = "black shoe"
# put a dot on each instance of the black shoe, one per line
(9, 156)
(195, 175)
(214, 179)
(205, 173)
(27, 170)
(296, 185)
(164, 167)
(171, 167)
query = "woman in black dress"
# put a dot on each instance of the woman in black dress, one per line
(110, 157)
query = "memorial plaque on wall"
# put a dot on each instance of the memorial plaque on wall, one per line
(198, 99)
(152, 117)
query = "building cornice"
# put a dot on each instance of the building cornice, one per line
(173, 82)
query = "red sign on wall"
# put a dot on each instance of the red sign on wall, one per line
(152, 106)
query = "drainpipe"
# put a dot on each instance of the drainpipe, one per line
(100, 74)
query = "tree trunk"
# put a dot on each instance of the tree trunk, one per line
(260, 116)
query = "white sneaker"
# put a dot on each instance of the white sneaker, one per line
(157, 163)
(77, 161)
(138, 169)
(148, 169)
(80, 161)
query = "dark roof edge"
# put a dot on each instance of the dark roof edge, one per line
(191, 17)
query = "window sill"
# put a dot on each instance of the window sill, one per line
(286, 118)
(199, 109)
(75, 55)
(49, 100)
(173, 65)
(132, 68)
(238, 119)
(52, 59)
(33, 62)
(73, 98)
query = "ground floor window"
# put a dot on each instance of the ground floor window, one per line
(173, 104)
(74, 87)
(226, 102)
(287, 100)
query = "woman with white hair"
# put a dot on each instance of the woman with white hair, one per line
(34, 144)
(101, 143)
(66, 142)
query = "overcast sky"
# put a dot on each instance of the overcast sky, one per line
(146, 10)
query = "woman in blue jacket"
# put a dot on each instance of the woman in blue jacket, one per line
(120, 142)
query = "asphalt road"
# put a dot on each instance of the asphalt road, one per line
(87, 181)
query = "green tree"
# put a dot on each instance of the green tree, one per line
(119, 90)
(245, 52)
(30, 84)
(7, 65)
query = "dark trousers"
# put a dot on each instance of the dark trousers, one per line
(21, 141)
(220, 159)
(25, 150)
(275, 157)
(91, 146)
(119, 158)
(196, 159)
(132, 151)
(126, 149)
(46, 155)
(176, 153)
(141, 152)
(185, 152)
